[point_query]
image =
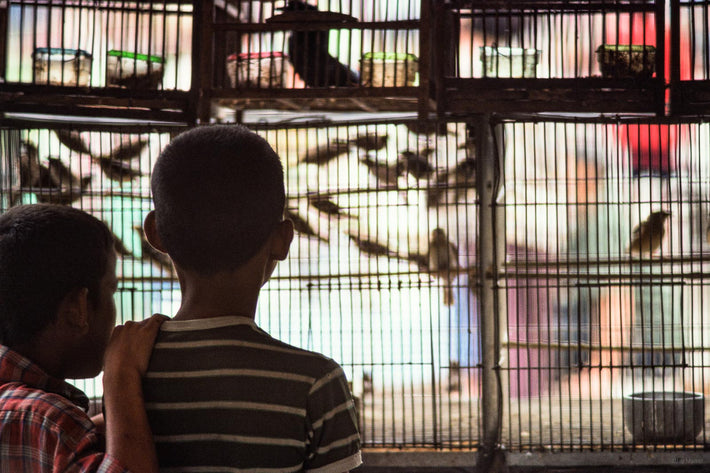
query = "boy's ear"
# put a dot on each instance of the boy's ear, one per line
(281, 241)
(150, 228)
(73, 311)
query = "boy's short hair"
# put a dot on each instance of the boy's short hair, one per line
(219, 193)
(46, 251)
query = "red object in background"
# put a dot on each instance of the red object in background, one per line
(652, 148)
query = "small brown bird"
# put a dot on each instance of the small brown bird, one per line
(370, 142)
(371, 247)
(150, 253)
(32, 173)
(72, 139)
(118, 245)
(327, 206)
(443, 262)
(427, 127)
(322, 154)
(647, 236)
(383, 172)
(63, 176)
(126, 151)
(464, 177)
(417, 164)
(118, 171)
(454, 376)
(68, 186)
(302, 226)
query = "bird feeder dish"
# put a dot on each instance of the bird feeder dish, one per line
(133, 70)
(504, 62)
(58, 66)
(257, 70)
(664, 417)
(388, 70)
(626, 61)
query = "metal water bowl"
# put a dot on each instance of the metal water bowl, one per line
(665, 416)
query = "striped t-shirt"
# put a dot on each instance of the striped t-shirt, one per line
(224, 396)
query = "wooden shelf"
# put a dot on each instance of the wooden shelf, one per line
(583, 95)
(169, 106)
(361, 99)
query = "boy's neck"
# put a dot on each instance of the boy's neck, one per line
(224, 294)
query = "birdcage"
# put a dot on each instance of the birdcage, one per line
(533, 56)
(128, 59)
(318, 55)
(514, 307)
(690, 67)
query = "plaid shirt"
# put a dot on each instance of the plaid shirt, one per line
(43, 424)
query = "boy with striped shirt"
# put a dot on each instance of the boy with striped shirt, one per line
(222, 395)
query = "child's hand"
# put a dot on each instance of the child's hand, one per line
(129, 348)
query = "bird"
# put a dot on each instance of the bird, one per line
(464, 177)
(65, 187)
(117, 171)
(119, 246)
(443, 262)
(367, 385)
(72, 139)
(327, 206)
(647, 236)
(126, 150)
(308, 51)
(461, 178)
(383, 172)
(371, 247)
(454, 376)
(369, 142)
(150, 253)
(302, 226)
(32, 173)
(324, 153)
(63, 176)
(417, 164)
(426, 127)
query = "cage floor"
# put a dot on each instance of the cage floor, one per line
(543, 423)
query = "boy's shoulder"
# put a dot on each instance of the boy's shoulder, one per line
(243, 334)
(32, 406)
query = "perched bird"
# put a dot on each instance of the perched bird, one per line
(32, 173)
(118, 171)
(443, 262)
(120, 247)
(302, 226)
(308, 50)
(454, 376)
(371, 247)
(464, 177)
(327, 206)
(370, 142)
(427, 127)
(383, 172)
(126, 151)
(324, 153)
(647, 236)
(66, 187)
(63, 176)
(150, 253)
(461, 179)
(367, 386)
(72, 139)
(417, 164)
